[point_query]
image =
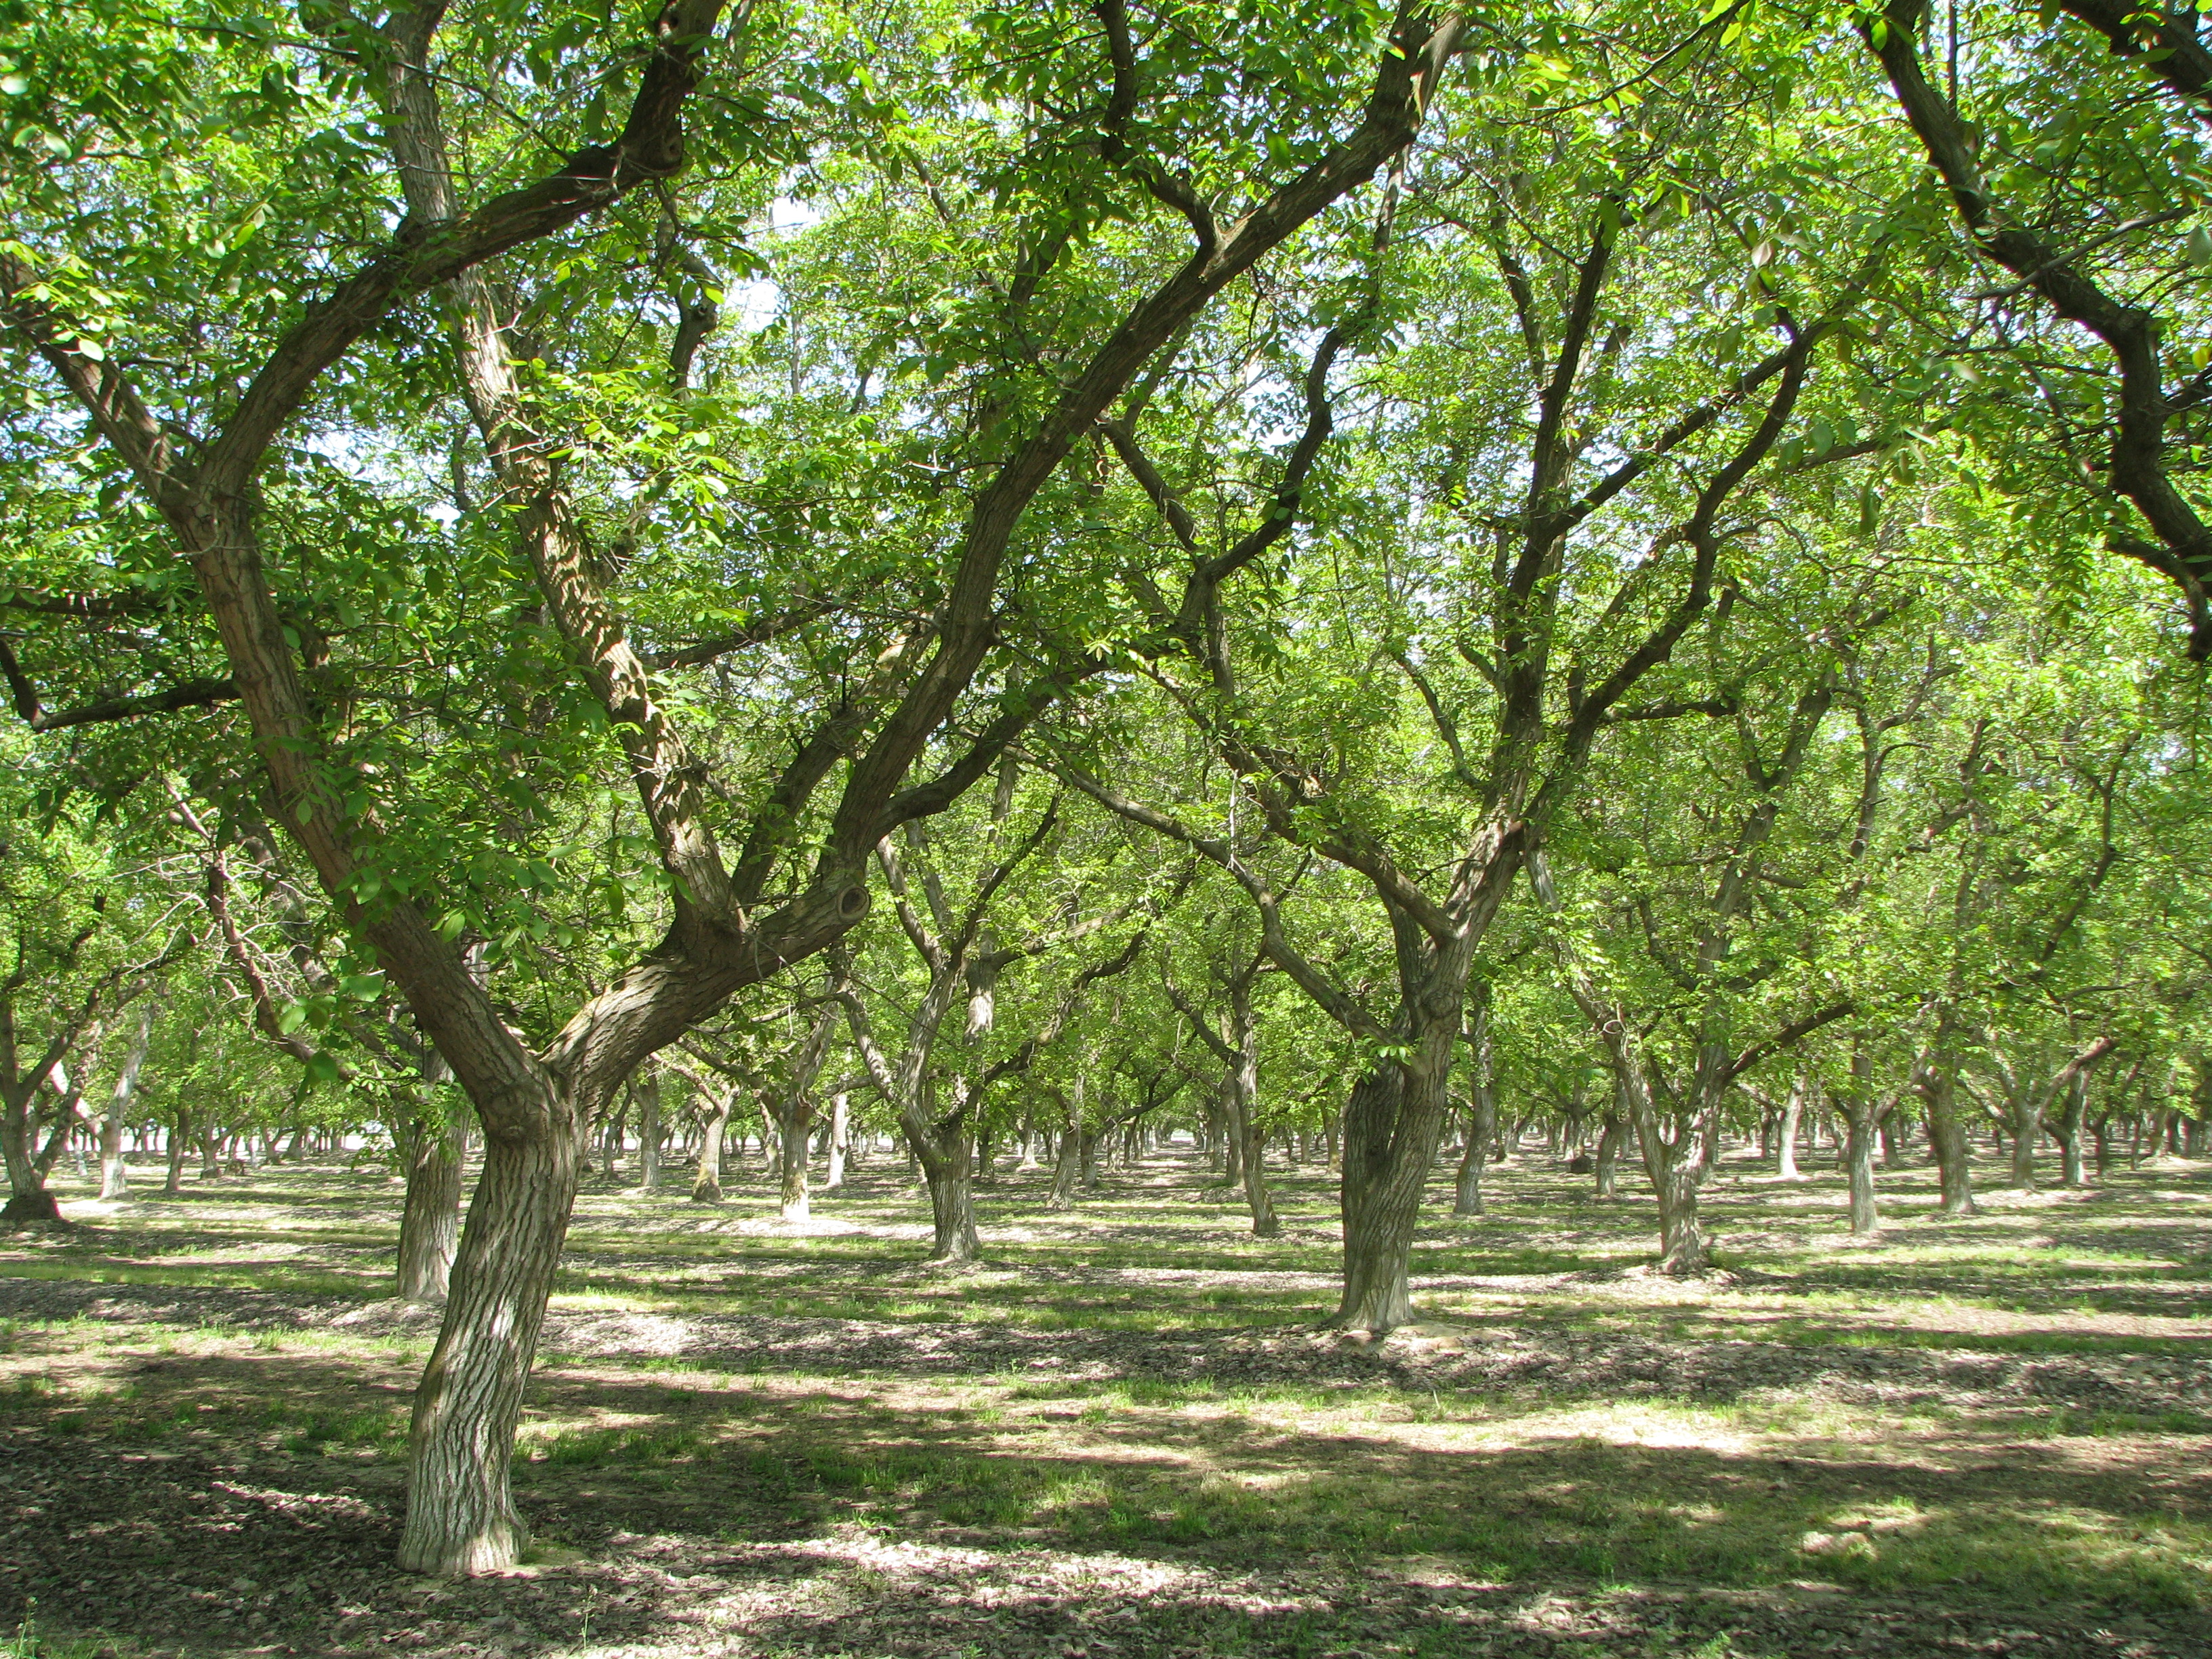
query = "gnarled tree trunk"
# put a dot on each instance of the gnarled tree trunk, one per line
(1393, 1122)
(461, 1517)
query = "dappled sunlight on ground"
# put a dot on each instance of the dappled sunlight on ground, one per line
(1126, 1434)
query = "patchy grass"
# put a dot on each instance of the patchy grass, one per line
(1124, 1435)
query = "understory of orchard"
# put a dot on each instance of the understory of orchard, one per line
(1480, 638)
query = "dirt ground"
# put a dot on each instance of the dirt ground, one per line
(1126, 1436)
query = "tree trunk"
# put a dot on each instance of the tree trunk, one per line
(1675, 1180)
(2027, 1125)
(841, 1131)
(946, 1165)
(1947, 1140)
(1481, 1119)
(1793, 1113)
(1858, 1160)
(461, 1518)
(180, 1130)
(1066, 1170)
(27, 1197)
(115, 1171)
(2072, 1110)
(1608, 1153)
(646, 1085)
(707, 1185)
(1675, 1167)
(430, 1214)
(1393, 1123)
(794, 1123)
(1467, 1187)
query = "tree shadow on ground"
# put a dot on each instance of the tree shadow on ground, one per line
(236, 1503)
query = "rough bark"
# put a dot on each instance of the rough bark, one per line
(461, 1517)
(430, 1212)
(794, 1124)
(1675, 1180)
(947, 1160)
(1393, 1122)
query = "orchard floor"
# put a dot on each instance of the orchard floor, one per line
(1124, 1438)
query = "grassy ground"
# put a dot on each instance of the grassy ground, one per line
(1125, 1436)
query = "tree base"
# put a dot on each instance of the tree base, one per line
(40, 1205)
(952, 1264)
(493, 1548)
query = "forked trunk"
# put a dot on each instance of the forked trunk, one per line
(461, 1518)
